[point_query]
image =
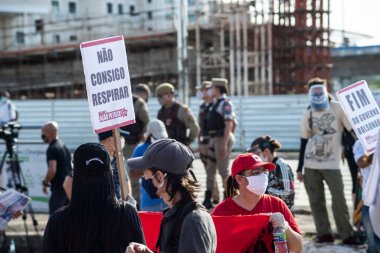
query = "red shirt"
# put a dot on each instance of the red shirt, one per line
(266, 204)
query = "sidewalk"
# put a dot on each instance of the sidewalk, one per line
(302, 214)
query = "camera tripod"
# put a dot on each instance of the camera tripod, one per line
(17, 181)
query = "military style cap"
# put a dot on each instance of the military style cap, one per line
(220, 82)
(205, 85)
(164, 88)
(142, 87)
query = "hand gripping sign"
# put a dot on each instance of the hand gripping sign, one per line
(109, 91)
(363, 113)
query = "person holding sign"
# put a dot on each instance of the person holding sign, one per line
(320, 152)
(246, 196)
(94, 221)
(364, 162)
(106, 138)
(186, 225)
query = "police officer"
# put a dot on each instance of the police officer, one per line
(136, 133)
(143, 91)
(221, 126)
(177, 117)
(204, 93)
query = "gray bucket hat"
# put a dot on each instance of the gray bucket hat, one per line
(167, 155)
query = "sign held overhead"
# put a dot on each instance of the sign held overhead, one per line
(363, 113)
(107, 83)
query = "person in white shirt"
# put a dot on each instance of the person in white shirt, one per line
(7, 108)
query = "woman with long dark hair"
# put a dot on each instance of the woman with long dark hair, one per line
(94, 221)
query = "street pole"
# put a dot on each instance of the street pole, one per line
(182, 60)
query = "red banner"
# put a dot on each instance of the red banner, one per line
(234, 233)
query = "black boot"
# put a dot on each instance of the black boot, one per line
(207, 202)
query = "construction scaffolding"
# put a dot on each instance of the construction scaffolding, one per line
(262, 47)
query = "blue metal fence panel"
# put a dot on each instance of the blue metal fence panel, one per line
(278, 116)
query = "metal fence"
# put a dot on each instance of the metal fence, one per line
(278, 116)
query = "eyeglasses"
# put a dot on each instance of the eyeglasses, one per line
(254, 149)
(256, 172)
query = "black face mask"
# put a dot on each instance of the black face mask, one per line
(44, 138)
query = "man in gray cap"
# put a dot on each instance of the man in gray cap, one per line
(220, 125)
(167, 163)
(178, 118)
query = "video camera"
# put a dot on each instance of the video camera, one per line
(9, 132)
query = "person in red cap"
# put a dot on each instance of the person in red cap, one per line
(245, 196)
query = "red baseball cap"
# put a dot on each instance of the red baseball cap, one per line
(249, 161)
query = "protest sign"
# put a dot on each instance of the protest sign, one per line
(107, 83)
(109, 92)
(363, 113)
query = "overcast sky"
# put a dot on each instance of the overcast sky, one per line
(357, 16)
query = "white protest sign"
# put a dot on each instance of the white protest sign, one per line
(107, 83)
(363, 113)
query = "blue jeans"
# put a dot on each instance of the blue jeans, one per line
(373, 241)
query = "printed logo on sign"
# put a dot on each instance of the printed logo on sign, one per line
(105, 116)
(371, 139)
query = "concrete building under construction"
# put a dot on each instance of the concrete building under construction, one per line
(261, 47)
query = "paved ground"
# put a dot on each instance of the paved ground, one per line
(302, 209)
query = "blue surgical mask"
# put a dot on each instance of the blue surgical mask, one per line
(319, 100)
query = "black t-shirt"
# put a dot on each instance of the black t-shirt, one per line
(58, 151)
(126, 225)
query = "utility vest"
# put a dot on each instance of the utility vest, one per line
(215, 121)
(203, 110)
(176, 129)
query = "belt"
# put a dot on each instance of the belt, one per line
(216, 133)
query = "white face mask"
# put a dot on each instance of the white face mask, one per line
(200, 95)
(264, 158)
(163, 182)
(257, 184)
(209, 92)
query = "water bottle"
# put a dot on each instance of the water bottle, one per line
(12, 247)
(279, 239)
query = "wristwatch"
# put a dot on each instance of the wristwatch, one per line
(44, 183)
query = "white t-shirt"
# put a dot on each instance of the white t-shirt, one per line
(7, 111)
(324, 146)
